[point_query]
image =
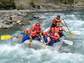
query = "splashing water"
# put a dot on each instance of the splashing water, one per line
(10, 54)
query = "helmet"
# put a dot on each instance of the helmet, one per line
(58, 17)
(37, 24)
(27, 30)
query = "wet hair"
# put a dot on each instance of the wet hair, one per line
(58, 16)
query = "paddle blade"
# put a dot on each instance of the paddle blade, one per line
(68, 42)
(75, 32)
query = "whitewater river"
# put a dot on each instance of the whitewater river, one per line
(75, 54)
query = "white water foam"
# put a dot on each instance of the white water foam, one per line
(9, 54)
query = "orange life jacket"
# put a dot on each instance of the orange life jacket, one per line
(52, 29)
(57, 29)
(37, 28)
(33, 33)
(56, 21)
(45, 33)
(55, 36)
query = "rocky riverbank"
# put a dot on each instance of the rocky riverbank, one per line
(42, 4)
(11, 18)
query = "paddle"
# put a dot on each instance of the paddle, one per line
(68, 28)
(30, 42)
(60, 46)
(68, 42)
(42, 41)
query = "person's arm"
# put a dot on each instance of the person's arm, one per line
(30, 42)
(62, 22)
(48, 38)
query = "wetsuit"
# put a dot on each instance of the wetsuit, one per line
(25, 37)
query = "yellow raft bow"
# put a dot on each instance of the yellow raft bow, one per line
(5, 37)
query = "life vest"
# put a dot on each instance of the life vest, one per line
(56, 21)
(55, 36)
(33, 33)
(45, 33)
(57, 29)
(52, 29)
(36, 27)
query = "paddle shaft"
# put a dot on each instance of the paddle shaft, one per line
(67, 26)
(30, 42)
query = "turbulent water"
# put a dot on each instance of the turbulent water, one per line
(74, 20)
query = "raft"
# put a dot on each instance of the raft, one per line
(35, 43)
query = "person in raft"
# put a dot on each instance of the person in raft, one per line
(25, 35)
(53, 35)
(57, 21)
(36, 31)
